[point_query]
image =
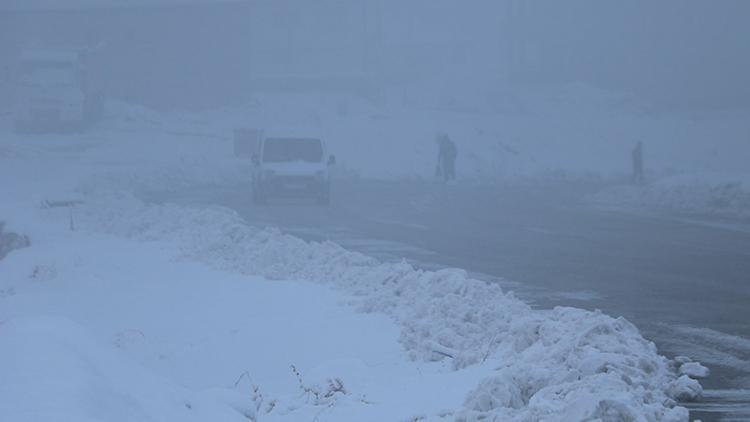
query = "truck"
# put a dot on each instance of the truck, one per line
(52, 92)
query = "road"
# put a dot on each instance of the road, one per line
(685, 284)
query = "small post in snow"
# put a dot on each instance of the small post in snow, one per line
(68, 203)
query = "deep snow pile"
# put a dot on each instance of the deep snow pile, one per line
(207, 341)
(708, 194)
(550, 362)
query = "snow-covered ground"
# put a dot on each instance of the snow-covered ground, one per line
(571, 132)
(122, 310)
(574, 133)
(722, 195)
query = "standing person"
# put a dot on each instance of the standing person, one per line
(638, 164)
(446, 158)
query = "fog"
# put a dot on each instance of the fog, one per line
(345, 210)
(198, 54)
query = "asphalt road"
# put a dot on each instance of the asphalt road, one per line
(685, 284)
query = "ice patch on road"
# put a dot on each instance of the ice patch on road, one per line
(406, 224)
(737, 343)
(580, 295)
(709, 346)
(724, 405)
(382, 248)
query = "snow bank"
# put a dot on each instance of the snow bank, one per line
(53, 370)
(549, 362)
(707, 194)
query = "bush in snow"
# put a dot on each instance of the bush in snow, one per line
(10, 241)
(321, 396)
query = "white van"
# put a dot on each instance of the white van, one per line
(286, 167)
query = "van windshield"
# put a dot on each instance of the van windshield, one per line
(277, 150)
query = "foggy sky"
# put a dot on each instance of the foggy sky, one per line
(678, 52)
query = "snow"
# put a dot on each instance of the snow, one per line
(543, 134)
(54, 370)
(694, 370)
(166, 312)
(722, 195)
(684, 388)
(220, 326)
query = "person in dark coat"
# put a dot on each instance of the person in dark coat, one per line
(447, 154)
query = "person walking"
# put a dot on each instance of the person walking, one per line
(447, 154)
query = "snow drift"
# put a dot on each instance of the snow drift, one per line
(550, 362)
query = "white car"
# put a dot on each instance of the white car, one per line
(285, 167)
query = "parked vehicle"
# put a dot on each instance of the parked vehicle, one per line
(52, 92)
(292, 167)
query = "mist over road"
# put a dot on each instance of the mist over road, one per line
(684, 284)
